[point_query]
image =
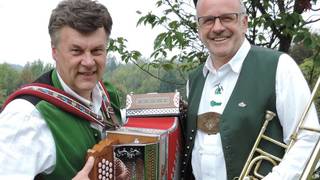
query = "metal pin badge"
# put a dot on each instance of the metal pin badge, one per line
(242, 104)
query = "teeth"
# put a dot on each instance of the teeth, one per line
(87, 73)
(219, 39)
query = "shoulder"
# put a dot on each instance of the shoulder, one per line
(21, 106)
(23, 113)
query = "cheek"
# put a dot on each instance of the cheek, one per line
(201, 36)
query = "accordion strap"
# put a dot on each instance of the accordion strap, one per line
(68, 103)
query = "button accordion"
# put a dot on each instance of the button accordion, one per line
(148, 144)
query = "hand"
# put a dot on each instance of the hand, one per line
(83, 174)
(122, 172)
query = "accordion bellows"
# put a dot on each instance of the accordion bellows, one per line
(148, 144)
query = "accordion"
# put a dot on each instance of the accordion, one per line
(148, 144)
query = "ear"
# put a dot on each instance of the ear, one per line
(244, 23)
(53, 52)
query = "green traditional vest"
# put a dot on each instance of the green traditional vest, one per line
(239, 126)
(73, 136)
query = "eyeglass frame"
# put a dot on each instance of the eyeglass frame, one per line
(237, 14)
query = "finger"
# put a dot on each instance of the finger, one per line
(88, 166)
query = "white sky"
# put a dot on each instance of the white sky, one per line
(24, 36)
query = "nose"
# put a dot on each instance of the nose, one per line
(88, 59)
(217, 26)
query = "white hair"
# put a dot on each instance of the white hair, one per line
(242, 6)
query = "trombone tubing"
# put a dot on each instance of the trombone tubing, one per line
(314, 91)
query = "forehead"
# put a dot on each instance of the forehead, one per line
(217, 7)
(69, 35)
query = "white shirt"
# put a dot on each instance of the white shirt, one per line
(292, 95)
(27, 146)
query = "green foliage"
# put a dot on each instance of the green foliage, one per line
(299, 52)
(140, 78)
(118, 45)
(11, 78)
(311, 66)
(31, 71)
(8, 80)
(128, 78)
(272, 24)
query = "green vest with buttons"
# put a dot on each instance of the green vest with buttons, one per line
(73, 136)
(239, 125)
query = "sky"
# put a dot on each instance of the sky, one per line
(24, 35)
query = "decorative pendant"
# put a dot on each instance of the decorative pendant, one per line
(219, 89)
(242, 104)
(214, 103)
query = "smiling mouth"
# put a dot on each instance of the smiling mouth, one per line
(87, 73)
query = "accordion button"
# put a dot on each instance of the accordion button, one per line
(100, 176)
(99, 164)
(103, 160)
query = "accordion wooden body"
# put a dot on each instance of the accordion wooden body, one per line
(149, 144)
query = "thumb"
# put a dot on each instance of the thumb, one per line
(88, 166)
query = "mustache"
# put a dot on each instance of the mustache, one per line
(223, 34)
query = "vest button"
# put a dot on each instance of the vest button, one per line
(188, 147)
(192, 130)
(190, 138)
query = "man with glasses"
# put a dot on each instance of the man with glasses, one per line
(228, 97)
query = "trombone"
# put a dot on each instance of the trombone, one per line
(253, 163)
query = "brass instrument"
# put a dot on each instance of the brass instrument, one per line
(255, 162)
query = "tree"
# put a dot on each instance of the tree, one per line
(31, 71)
(273, 24)
(299, 52)
(8, 78)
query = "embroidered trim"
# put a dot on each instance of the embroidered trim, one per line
(67, 102)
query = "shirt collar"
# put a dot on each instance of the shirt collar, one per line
(96, 95)
(235, 63)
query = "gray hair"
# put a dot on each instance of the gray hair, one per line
(242, 6)
(85, 16)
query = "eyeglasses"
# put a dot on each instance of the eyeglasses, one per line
(225, 20)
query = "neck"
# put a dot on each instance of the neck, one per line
(86, 95)
(217, 62)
